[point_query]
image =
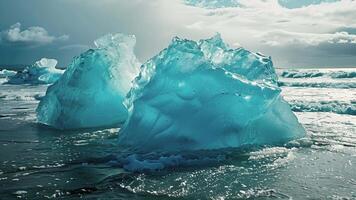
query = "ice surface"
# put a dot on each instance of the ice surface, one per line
(91, 91)
(42, 72)
(204, 95)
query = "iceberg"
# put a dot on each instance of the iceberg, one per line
(91, 91)
(42, 72)
(7, 73)
(204, 95)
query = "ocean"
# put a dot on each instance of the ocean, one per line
(37, 162)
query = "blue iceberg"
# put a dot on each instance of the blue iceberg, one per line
(91, 91)
(204, 95)
(42, 72)
(5, 73)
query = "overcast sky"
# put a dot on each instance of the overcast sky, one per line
(296, 33)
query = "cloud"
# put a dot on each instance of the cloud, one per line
(304, 35)
(212, 4)
(318, 30)
(32, 36)
(285, 38)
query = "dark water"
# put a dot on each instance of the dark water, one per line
(38, 163)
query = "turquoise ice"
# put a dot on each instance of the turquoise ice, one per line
(7, 73)
(42, 72)
(205, 95)
(91, 91)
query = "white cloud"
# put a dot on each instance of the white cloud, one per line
(265, 25)
(32, 36)
(285, 38)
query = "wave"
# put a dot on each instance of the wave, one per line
(134, 164)
(21, 97)
(343, 74)
(301, 74)
(317, 73)
(274, 156)
(341, 85)
(348, 108)
(156, 161)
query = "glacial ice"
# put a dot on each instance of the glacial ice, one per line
(204, 95)
(42, 72)
(91, 91)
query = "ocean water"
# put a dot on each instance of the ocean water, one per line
(37, 162)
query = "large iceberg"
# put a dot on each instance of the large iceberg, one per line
(42, 72)
(91, 91)
(205, 95)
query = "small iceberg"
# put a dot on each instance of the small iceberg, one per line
(204, 95)
(5, 73)
(42, 72)
(91, 91)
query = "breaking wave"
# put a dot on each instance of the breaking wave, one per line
(21, 97)
(317, 73)
(348, 108)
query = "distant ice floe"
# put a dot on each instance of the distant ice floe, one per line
(312, 73)
(42, 72)
(7, 73)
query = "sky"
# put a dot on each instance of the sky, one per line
(296, 33)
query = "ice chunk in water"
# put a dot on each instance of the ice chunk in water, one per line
(7, 73)
(91, 91)
(42, 72)
(204, 95)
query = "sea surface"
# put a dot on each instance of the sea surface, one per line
(37, 162)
